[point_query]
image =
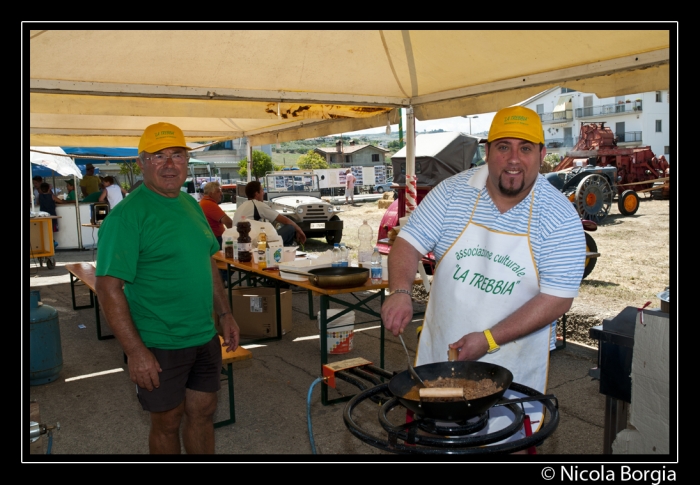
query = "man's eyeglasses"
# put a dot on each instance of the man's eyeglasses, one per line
(178, 158)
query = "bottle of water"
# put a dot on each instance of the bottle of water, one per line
(376, 267)
(364, 252)
(344, 253)
(335, 261)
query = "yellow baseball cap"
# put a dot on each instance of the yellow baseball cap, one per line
(516, 122)
(161, 135)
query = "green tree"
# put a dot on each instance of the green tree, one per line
(549, 162)
(262, 163)
(131, 170)
(312, 160)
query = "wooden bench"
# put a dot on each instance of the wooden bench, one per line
(85, 273)
(227, 359)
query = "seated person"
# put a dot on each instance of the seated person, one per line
(70, 186)
(255, 209)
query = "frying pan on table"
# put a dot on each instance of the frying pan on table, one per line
(458, 409)
(334, 277)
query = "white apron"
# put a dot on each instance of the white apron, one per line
(485, 276)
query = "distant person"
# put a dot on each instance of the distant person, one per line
(48, 201)
(36, 181)
(112, 193)
(70, 186)
(255, 209)
(216, 217)
(349, 186)
(90, 183)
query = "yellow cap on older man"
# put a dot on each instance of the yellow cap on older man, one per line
(160, 136)
(516, 122)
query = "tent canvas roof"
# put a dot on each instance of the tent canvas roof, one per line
(102, 87)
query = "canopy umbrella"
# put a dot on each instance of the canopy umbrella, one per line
(53, 158)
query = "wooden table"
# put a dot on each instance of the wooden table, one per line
(252, 273)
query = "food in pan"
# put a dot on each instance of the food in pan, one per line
(471, 389)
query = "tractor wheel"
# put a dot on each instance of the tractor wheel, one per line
(333, 237)
(590, 248)
(593, 198)
(628, 203)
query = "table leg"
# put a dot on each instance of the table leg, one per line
(97, 322)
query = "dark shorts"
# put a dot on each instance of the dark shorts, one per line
(196, 368)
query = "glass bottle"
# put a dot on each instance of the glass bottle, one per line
(261, 259)
(228, 248)
(245, 254)
(364, 252)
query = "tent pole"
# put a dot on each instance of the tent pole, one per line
(250, 160)
(411, 190)
(77, 210)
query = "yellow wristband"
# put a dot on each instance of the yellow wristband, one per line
(493, 346)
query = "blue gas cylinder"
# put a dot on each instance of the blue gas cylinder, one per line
(45, 355)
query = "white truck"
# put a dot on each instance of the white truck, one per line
(296, 195)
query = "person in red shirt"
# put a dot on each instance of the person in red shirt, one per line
(216, 217)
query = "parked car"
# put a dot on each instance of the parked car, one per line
(385, 186)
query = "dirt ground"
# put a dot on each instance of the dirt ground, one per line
(633, 267)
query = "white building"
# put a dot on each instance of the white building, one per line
(226, 155)
(637, 119)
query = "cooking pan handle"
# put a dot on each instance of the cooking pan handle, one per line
(298, 272)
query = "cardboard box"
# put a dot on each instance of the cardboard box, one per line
(255, 311)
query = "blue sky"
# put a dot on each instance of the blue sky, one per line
(480, 123)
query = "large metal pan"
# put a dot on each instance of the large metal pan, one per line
(335, 277)
(457, 410)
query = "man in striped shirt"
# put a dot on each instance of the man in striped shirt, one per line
(510, 250)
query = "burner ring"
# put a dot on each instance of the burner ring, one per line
(419, 444)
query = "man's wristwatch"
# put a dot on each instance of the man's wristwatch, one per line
(493, 346)
(401, 290)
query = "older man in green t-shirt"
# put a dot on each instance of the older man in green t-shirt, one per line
(159, 289)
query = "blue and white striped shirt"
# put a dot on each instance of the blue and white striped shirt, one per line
(556, 232)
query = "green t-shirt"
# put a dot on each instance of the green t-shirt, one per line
(71, 195)
(94, 197)
(161, 247)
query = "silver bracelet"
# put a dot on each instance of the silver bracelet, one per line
(401, 290)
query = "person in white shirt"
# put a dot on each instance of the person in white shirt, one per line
(255, 209)
(112, 192)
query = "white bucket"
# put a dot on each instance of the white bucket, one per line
(340, 332)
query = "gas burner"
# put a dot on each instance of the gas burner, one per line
(427, 436)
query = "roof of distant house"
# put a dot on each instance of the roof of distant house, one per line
(349, 148)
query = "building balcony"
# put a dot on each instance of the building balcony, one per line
(609, 109)
(557, 116)
(629, 137)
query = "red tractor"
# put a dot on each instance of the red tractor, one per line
(597, 169)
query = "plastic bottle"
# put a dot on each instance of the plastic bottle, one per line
(335, 261)
(364, 252)
(245, 253)
(376, 267)
(344, 253)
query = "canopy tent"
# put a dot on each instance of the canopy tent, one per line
(438, 156)
(103, 87)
